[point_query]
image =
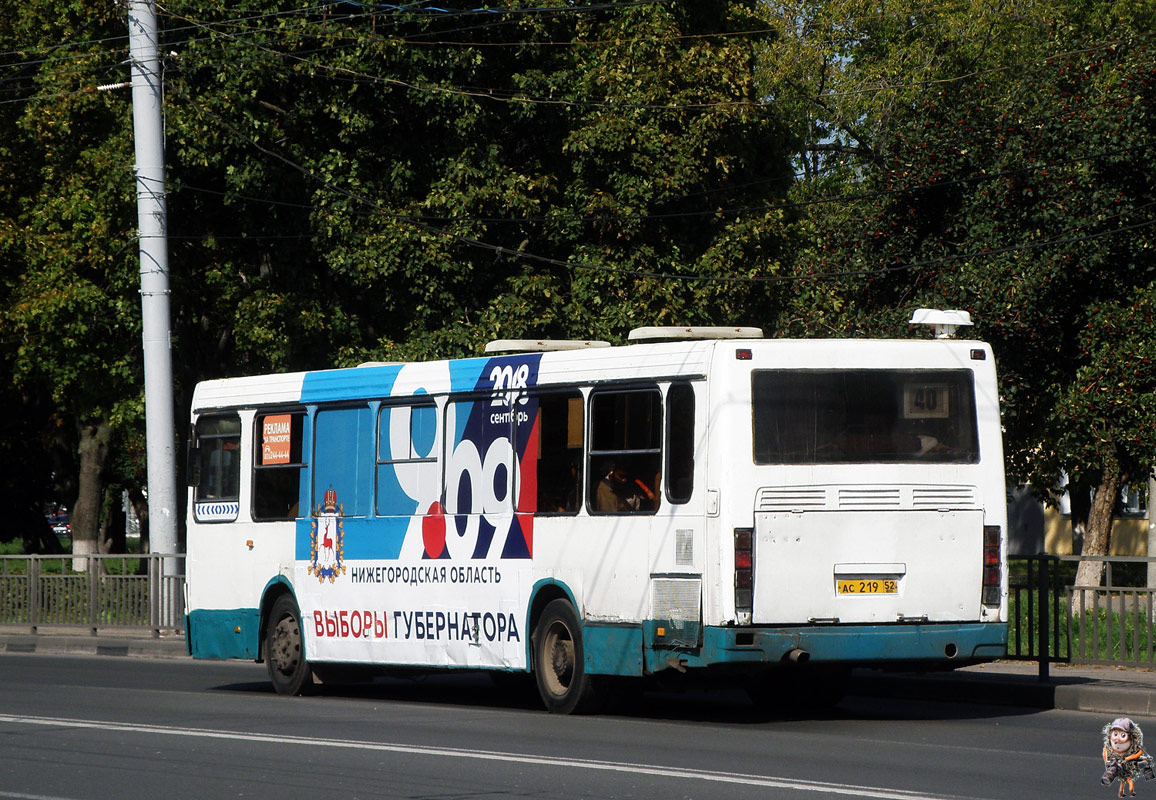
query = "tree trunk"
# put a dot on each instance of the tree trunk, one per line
(92, 448)
(1097, 538)
(140, 506)
(112, 532)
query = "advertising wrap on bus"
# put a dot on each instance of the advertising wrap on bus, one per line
(585, 512)
(406, 540)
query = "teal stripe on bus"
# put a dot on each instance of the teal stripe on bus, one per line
(223, 633)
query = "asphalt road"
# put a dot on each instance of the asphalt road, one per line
(84, 728)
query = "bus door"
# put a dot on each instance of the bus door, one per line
(677, 533)
(623, 473)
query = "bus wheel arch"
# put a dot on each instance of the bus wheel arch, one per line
(544, 595)
(559, 661)
(283, 647)
(274, 590)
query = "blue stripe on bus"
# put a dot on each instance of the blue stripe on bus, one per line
(347, 384)
(363, 538)
(466, 375)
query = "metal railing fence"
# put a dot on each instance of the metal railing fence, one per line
(1053, 619)
(94, 592)
(1050, 618)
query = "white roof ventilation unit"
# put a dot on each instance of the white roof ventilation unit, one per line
(944, 320)
(674, 333)
(541, 345)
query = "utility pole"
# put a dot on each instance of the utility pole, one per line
(148, 131)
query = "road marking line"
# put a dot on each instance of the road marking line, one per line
(770, 782)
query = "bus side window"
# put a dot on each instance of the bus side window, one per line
(343, 442)
(625, 451)
(555, 455)
(215, 494)
(277, 466)
(408, 476)
(680, 442)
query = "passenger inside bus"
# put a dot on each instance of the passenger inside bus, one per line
(559, 490)
(618, 492)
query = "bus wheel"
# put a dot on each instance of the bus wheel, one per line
(284, 649)
(559, 662)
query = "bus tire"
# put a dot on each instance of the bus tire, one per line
(285, 649)
(559, 662)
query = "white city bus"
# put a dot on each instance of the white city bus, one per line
(718, 504)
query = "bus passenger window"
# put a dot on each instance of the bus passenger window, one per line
(625, 451)
(679, 442)
(343, 440)
(277, 466)
(407, 477)
(215, 493)
(555, 457)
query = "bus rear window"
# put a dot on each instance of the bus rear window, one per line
(864, 416)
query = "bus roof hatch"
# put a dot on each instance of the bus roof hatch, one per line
(541, 345)
(674, 333)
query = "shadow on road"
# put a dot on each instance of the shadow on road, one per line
(638, 700)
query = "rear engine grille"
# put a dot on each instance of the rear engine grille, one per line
(892, 497)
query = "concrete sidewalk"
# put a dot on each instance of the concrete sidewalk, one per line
(1106, 690)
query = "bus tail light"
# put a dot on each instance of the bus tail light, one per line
(992, 568)
(744, 573)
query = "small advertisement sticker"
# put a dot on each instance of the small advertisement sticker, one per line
(275, 436)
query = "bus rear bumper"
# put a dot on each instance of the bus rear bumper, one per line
(942, 645)
(862, 644)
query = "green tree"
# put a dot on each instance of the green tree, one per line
(1017, 184)
(354, 182)
(66, 235)
(553, 173)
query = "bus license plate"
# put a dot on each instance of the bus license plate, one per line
(866, 586)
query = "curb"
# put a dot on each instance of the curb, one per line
(166, 647)
(1126, 700)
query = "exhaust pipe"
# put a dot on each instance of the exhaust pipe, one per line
(798, 656)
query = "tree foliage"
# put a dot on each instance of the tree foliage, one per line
(455, 182)
(352, 182)
(1015, 181)
(70, 315)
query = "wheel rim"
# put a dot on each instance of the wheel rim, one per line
(558, 652)
(285, 650)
